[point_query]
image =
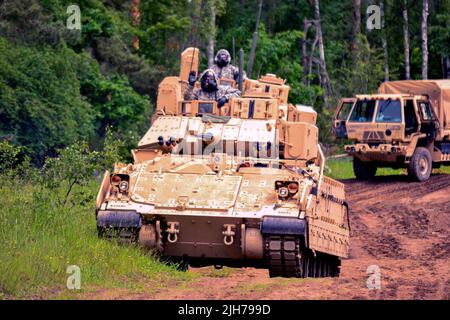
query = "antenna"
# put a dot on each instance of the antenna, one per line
(241, 69)
(234, 51)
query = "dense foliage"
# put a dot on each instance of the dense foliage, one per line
(59, 86)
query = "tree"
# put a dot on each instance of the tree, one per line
(212, 33)
(356, 28)
(439, 36)
(425, 39)
(324, 79)
(406, 40)
(384, 43)
(251, 57)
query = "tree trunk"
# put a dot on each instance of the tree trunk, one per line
(406, 40)
(242, 5)
(425, 40)
(384, 43)
(212, 34)
(251, 57)
(196, 9)
(311, 57)
(324, 79)
(356, 29)
(306, 26)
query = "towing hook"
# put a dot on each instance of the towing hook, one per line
(229, 233)
(228, 242)
(172, 237)
(173, 231)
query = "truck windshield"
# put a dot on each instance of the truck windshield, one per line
(389, 111)
(345, 110)
(363, 111)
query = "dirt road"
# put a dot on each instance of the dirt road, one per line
(400, 226)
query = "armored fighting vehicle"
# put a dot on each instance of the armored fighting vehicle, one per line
(405, 125)
(238, 186)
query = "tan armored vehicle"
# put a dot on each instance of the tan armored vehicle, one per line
(238, 186)
(405, 125)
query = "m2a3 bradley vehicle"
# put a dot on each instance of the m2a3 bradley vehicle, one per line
(405, 125)
(238, 186)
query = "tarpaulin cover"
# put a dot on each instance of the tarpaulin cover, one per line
(437, 90)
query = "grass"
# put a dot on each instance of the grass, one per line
(225, 272)
(39, 239)
(342, 169)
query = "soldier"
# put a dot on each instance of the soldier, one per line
(223, 68)
(210, 90)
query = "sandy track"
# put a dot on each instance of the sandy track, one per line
(401, 226)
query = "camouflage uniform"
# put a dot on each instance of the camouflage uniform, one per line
(229, 71)
(199, 94)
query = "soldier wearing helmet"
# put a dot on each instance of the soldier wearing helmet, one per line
(210, 89)
(223, 68)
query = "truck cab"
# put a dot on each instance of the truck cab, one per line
(386, 131)
(340, 117)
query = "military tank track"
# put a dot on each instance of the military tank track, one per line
(287, 257)
(121, 235)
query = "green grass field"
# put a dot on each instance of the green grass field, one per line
(342, 169)
(39, 239)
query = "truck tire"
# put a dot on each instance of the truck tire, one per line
(363, 170)
(421, 165)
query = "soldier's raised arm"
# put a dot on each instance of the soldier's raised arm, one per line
(189, 93)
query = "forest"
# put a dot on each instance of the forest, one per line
(62, 85)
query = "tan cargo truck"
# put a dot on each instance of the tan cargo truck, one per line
(405, 125)
(242, 185)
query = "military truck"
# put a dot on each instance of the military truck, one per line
(238, 186)
(405, 125)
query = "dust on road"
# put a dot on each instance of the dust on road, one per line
(398, 225)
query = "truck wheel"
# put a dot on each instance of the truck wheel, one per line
(363, 170)
(420, 165)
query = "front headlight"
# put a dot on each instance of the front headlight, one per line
(123, 186)
(120, 181)
(286, 189)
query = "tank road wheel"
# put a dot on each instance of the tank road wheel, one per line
(315, 269)
(324, 267)
(364, 170)
(420, 165)
(335, 264)
(319, 264)
(311, 265)
(327, 267)
(306, 260)
(147, 236)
